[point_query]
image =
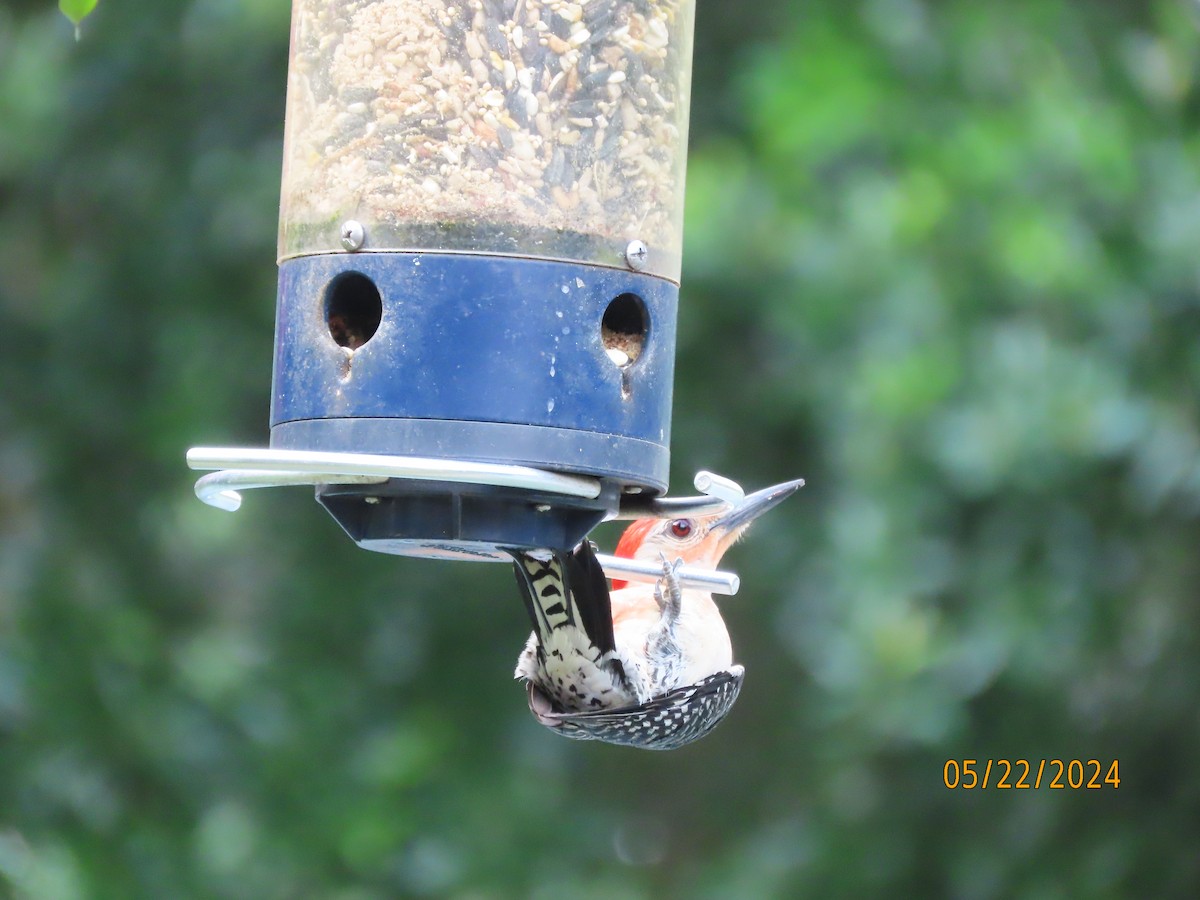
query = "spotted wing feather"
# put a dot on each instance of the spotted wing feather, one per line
(668, 722)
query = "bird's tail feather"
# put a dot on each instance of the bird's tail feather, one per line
(566, 587)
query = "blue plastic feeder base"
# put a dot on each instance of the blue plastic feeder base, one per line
(560, 366)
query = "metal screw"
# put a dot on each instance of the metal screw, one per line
(542, 507)
(372, 501)
(353, 234)
(635, 254)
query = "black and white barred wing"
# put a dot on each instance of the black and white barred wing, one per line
(668, 722)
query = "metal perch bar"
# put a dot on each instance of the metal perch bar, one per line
(280, 467)
(245, 469)
(720, 494)
(719, 486)
(218, 488)
(705, 579)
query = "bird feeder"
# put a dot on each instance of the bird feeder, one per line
(479, 257)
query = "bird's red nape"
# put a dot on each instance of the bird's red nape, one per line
(627, 546)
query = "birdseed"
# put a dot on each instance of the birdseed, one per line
(543, 127)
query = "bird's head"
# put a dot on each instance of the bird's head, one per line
(699, 540)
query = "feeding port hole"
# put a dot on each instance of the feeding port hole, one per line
(623, 329)
(353, 309)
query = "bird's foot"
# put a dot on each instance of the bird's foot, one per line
(670, 600)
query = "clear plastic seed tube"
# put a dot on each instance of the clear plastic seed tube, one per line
(554, 129)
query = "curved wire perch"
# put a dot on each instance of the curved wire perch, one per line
(241, 469)
(332, 468)
(720, 494)
(220, 489)
(715, 485)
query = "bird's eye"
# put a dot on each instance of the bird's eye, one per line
(681, 528)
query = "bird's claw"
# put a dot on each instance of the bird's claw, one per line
(671, 603)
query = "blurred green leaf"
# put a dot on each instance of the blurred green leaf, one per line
(77, 11)
(941, 261)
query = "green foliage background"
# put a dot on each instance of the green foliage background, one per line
(942, 260)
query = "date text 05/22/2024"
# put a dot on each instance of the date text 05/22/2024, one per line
(1024, 774)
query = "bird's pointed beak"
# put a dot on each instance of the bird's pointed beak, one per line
(733, 522)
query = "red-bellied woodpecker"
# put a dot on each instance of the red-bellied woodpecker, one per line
(643, 665)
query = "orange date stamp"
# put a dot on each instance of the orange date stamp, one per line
(1024, 774)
